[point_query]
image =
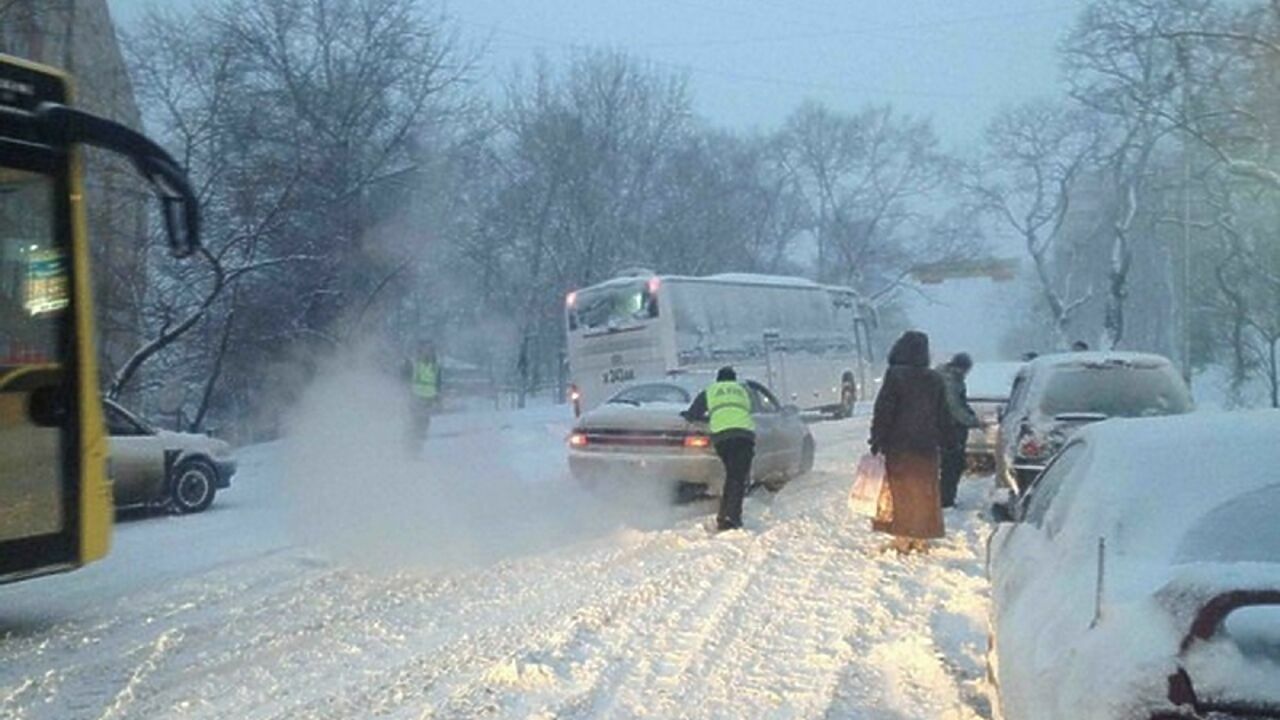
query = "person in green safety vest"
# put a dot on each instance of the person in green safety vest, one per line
(726, 406)
(423, 372)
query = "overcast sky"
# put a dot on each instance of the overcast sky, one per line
(751, 62)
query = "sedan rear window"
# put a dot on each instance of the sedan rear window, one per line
(646, 394)
(1243, 529)
(1125, 391)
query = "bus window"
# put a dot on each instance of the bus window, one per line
(34, 294)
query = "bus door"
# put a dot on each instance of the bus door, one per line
(55, 499)
(40, 465)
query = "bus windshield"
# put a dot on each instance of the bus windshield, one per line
(612, 306)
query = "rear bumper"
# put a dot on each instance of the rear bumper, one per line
(225, 469)
(694, 467)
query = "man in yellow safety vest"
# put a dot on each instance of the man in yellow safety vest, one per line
(726, 406)
(424, 383)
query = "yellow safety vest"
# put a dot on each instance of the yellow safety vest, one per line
(425, 380)
(729, 406)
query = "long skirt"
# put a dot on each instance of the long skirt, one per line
(912, 478)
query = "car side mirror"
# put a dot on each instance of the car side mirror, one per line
(1002, 513)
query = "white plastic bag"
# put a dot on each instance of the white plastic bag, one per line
(866, 497)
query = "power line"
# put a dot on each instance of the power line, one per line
(838, 33)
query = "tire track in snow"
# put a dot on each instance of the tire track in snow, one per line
(658, 644)
(562, 648)
(128, 694)
(78, 667)
(444, 675)
(786, 622)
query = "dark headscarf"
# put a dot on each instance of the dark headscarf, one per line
(912, 349)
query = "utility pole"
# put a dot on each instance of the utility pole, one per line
(1185, 314)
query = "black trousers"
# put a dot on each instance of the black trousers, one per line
(420, 412)
(953, 465)
(736, 453)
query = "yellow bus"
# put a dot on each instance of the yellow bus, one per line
(55, 498)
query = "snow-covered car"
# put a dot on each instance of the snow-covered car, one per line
(1139, 575)
(149, 466)
(989, 385)
(638, 432)
(1055, 395)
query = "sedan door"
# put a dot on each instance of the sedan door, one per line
(1007, 434)
(1025, 567)
(771, 444)
(136, 459)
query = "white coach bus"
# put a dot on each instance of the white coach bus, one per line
(801, 338)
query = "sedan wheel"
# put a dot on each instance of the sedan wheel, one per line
(193, 487)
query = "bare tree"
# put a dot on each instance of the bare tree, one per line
(871, 182)
(1035, 157)
(581, 157)
(1121, 70)
(302, 123)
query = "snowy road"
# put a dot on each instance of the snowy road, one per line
(225, 616)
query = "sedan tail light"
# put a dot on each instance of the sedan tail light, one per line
(1032, 448)
(578, 440)
(697, 441)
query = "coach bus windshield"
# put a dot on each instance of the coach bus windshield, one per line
(612, 306)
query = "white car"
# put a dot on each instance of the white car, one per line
(988, 385)
(149, 466)
(1053, 396)
(1139, 575)
(639, 433)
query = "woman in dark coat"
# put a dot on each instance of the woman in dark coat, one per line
(908, 427)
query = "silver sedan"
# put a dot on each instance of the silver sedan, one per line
(639, 434)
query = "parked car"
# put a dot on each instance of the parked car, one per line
(639, 433)
(989, 385)
(1055, 395)
(149, 466)
(1139, 575)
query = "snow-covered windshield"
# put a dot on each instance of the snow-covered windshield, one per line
(612, 306)
(1244, 529)
(655, 393)
(1117, 390)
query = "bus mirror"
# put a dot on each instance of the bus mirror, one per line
(179, 225)
(63, 125)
